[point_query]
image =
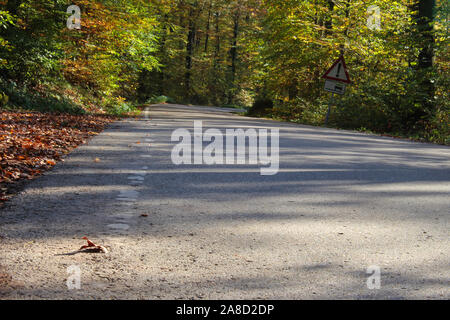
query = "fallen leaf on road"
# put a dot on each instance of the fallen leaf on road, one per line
(97, 160)
(93, 246)
(144, 215)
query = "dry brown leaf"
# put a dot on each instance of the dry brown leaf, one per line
(93, 246)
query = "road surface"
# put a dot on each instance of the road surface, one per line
(342, 202)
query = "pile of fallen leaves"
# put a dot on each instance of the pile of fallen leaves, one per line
(31, 143)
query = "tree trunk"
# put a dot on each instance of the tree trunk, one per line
(329, 19)
(208, 26)
(189, 51)
(217, 51)
(425, 19)
(425, 14)
(163, 52)
(233, 55)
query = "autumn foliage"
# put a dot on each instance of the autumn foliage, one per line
(31, 143)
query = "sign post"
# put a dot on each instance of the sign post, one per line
(329, 108)
(337, 78)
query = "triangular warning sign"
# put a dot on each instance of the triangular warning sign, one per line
(338, 72)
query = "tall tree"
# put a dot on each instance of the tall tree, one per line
(424, 16)
(233, 52)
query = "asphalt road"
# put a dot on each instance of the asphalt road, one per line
(341, 202)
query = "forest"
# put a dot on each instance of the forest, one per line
(267, 56)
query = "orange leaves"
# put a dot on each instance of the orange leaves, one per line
(92, 246)
(31, 143)
(27, 145)
(89, 245)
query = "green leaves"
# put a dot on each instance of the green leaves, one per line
(233, 52)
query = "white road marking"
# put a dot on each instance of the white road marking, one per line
(136, 178)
